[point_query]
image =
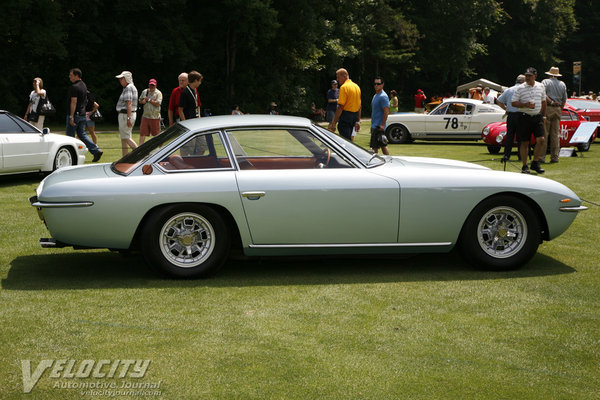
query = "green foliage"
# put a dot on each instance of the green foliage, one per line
(255, 52)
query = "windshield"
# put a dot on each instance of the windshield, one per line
(362, 155)
(584, 104)
(138, 156)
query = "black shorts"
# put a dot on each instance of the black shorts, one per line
(375, 143)
(528, 125)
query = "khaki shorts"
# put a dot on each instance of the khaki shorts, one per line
(124, 130)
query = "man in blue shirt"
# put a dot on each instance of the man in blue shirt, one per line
(512, 119)
(380, 109)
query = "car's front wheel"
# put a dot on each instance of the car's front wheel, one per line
(63, 158)
(493, 149)
(585, 146)
(398, 134)
(501, 233)
(185, 240)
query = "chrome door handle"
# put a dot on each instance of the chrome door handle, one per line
(253, 195)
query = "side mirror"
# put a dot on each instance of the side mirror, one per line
(45, 131)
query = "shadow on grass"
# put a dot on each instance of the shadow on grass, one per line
(104, 270)
(21, 179)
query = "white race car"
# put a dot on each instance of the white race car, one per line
(453, 119)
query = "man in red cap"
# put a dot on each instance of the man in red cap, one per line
(420, 101)
(151, 98)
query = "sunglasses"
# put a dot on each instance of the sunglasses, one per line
(378, 83)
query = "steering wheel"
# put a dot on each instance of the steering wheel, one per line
(323, 159)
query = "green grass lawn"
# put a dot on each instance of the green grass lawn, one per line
(418, 327)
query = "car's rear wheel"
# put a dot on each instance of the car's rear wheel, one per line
(63, 158)
(398, 134)
(501, 233)
(493, 149)
(185, 241)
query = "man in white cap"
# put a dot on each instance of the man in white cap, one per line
(556, 97)
(126, 107)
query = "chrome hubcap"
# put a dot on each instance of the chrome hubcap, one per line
(187, 240)
(502, 232)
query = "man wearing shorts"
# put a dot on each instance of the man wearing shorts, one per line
(348, 108)
(530, 99)
(126, 107)
(380, 109)
(151, 98)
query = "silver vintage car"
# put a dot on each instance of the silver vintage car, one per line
(276, 185)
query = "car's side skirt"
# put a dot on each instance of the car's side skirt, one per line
(347, 248)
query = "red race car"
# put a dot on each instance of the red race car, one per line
(493, 134)
(590, 109)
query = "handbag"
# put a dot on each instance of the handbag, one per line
(96, 116)
(33, 116)
(45, 107)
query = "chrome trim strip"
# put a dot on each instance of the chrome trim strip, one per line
(573, 209)
(345, 245)
(40, 204)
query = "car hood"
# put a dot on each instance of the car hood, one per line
(431, 163)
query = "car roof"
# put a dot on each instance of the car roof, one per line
(230, 121)
(463, 100)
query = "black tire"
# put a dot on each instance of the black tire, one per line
(64, 157)
(398, 134)
(501, 233)
(493, 149)
(185, 241)
(585, 146)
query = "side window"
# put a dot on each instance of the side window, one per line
(8, 125)
(567, 116)
(204, 151)
(456, 109)
(282, 149)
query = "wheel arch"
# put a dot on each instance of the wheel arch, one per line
(49, 166)
(530, 202)
(236, 241)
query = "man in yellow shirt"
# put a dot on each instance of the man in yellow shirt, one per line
(349, 106)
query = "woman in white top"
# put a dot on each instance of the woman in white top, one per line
(36, 94)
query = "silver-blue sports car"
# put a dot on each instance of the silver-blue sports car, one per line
(275, 185)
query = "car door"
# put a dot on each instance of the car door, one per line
(569, 122)
(23, 147)
(296, 190)
(451, 121)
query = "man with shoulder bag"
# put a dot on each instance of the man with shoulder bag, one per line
(380, 109)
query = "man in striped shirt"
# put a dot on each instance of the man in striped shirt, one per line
(530, 99)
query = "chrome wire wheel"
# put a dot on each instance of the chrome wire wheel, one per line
(63, 158)
(502, 232)
(187, 240)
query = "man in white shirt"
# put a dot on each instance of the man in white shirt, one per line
(530, 99)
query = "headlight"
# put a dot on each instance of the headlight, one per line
(486, 131)
(500, 137)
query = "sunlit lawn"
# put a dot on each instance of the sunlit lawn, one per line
(420, 327)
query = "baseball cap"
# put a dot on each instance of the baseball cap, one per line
(152, 82)
(531, 71)
(125, 74)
